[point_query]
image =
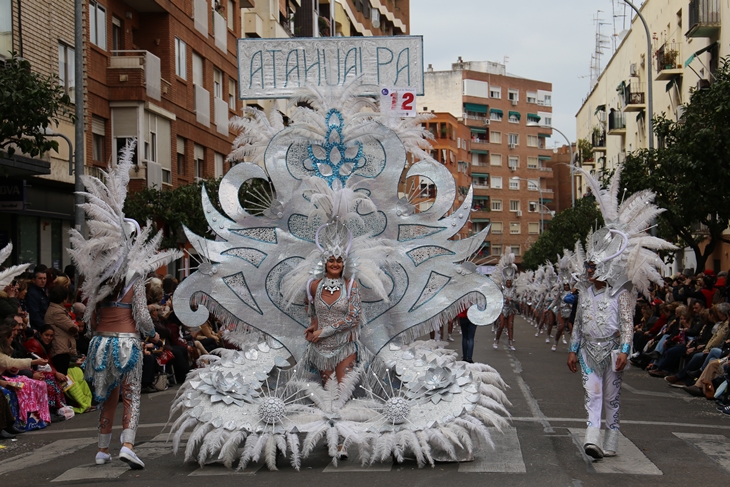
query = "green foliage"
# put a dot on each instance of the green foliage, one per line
(690, 171)
(585, 148)
(173, 208)
(565, 229)
(29, 103)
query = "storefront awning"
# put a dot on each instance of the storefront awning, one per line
(475, 107)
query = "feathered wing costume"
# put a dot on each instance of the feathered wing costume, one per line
(336, 171)
(117, 254)
(7, 275)
(624, 257)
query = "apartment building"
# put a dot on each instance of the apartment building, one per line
(508, 119)
(161, 71)
(686, 46)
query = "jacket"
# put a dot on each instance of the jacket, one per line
(36, 300)
(8, 306)
(65, 329)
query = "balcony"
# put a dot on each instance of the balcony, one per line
(478, 144)
(598, 139)
(667, 62)
(202, 105)
(220, 31)
(633, 96)
(616, 123)
(135, 69)
(704, 18)
(253, 25)
(220, 113)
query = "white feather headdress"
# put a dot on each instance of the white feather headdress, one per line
(117, 250)
(623, 250)
(6, 276)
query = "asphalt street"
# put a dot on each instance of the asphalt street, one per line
(668, 438)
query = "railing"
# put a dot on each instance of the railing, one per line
(598, 139)
(616, 121)
(545, 169)
(704, 17)
(545, 103)
(143, 60)
(666, 58)
(634, 94)
(475, 116)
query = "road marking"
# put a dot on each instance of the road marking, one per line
(218, 469)
(93, 472)
(45, 432)
(45, 454)
(672, 395)
(506, 457)
(717, 447)
(630, 460)
(349, 466)
(531, 401)
(623, 421)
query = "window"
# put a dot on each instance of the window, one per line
(514, 184)
(533, 185)
(532, 140)
(98, 142)
(547, 100)
(496, 182)
(97, 24)
(547, 120)
(495, 137)
(533, 163)
(532, 206)
(6, 28)
(230, 14)
(531, 97)
(232, 94)
(533, 228)
(513, 95)
(67, 70)
(150, 145)
(495, 92)
(514, 139)
(480, 181)
(218, 165)
(217, 83)
(199, 161)
(496, 116)
(514, 117)
(116, 35)
(514, 228)
(197, 69)
(496, 250)
(514, 162)
(181, 156)
(514, 205)
(496, 228)
(496, 205)
(181, 58)
(495, 159)
(515, 249)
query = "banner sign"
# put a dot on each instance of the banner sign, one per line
(12, 194)
(276, 68)
(399, 102)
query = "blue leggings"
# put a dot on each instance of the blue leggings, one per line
(468, 330)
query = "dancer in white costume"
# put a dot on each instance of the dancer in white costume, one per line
(114, 261)
(619, 258)
(504, 274)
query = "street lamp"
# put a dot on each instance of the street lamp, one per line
(570, 147)
(649, 82)
(539, 190)
(77, 170)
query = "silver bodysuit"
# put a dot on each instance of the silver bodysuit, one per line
(340, 325)
(508, 308)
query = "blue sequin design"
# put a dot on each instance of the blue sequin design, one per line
(333, 142)
(93, 350)
(626, 348)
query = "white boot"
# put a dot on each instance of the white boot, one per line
(610, 443)
(592, 440)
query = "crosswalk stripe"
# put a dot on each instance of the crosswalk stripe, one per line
(717, 447)
(506, 457)
(630, 459)
(44, 454)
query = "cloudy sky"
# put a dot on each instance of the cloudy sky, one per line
(547, 40)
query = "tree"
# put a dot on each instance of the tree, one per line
(690, 171)
(29, 103)
(568, 226)
(173, 208)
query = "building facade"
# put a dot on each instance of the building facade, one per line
(161, 71)
(508, 119)
(686, 46)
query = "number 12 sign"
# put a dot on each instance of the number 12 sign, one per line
(399, 102)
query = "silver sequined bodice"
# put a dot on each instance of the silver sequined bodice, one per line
(333, 316)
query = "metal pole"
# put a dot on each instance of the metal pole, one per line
(649, 83)
(79, 95)
(572, 174)
(539, 190)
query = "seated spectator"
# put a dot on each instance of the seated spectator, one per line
(9, 304)
(29, 401)
(37, 298)
(63, 350)
(7, 430)
(82, 340)
(40, 345)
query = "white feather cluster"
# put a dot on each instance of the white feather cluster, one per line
(6, 276)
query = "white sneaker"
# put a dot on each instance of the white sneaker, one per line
(451, 339)
(564, 342)
(537, 334)
(547, 340)
(127, 456)
(495, 345)
(102, 458)
(555, 347)
(512, 347)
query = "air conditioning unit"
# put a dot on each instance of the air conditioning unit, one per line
(518, 212)
(512, 145)
(633, 70)
(486, 122)
(512, 167)
(514, 103)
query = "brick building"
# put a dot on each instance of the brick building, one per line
(560, 182)
(507, 149)
(161, 71)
